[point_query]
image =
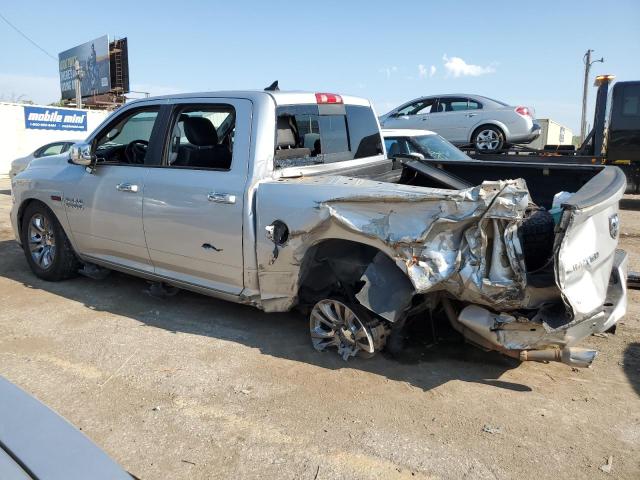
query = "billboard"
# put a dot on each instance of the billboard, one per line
(93, 58)
(45, 118)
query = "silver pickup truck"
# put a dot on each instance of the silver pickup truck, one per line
(288, 199)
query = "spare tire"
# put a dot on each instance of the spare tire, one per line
(537, 235)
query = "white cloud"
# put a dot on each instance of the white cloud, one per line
(388, 71)
(424, 72)
(457, 67)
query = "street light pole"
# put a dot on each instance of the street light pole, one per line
(585, 92)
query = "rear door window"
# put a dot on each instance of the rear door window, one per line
(453, 104)
(314, 134)
(473, 105)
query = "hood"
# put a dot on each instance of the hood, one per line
(50, 160)
(22, 161)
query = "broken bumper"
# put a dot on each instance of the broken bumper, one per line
(512, 334)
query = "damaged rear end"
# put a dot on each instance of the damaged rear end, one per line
(364, 257)
(585, 268)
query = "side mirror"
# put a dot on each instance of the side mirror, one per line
(80, 154)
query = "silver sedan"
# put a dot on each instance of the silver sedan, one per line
(54, 148)
(464, 119)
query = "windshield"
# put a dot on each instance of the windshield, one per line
(434, 146)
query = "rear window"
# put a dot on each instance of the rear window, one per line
(314, 134)
(631, 101)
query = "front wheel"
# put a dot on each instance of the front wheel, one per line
(488, 138)
(46, 246)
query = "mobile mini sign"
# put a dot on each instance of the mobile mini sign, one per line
(43, 118)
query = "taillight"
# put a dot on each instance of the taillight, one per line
(328, 98)
(524, 111)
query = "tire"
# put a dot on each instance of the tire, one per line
(329, 324)
(488, 138)
(46, 246)
(537, 235)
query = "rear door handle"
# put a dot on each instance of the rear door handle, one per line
(221, 198)
(127, 187)
(472, 114)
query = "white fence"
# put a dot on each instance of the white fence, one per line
(21, 133)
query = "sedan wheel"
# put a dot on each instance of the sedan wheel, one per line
(333, 323)
(489, 139)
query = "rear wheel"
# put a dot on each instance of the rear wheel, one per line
(347, 327)
(46, 246)
(488, 138)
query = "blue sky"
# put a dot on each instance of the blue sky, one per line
(520, 52)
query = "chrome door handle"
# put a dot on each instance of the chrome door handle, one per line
(127, 187)
(221, 198)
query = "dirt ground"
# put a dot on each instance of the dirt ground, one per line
(192, 387)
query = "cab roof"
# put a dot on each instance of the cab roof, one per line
(279, 97)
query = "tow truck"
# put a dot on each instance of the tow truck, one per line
(613, 140)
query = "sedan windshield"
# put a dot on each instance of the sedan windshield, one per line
(434, 146)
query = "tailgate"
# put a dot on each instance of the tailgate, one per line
(588, 239)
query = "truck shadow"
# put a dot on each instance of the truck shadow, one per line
(281, 335)
(630, 202)
(632, 365)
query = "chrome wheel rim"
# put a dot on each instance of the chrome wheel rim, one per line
(488, 140)
(334, 324)
(42, 241)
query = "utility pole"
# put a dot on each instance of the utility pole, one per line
(585, 92)
(79, 75)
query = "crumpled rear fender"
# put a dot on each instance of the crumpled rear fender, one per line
(460, 241)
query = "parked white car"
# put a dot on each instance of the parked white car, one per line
(420, 144)
(467, 119)
(53, 148)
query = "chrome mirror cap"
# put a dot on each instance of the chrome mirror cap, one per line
(80, 154)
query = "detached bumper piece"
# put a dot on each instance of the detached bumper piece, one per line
(548, 337)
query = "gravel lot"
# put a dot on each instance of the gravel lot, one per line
(192, 387)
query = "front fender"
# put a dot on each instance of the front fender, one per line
(25, 190)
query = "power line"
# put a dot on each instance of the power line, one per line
(27, 38)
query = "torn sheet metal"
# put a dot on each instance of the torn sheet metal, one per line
(462, 243)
